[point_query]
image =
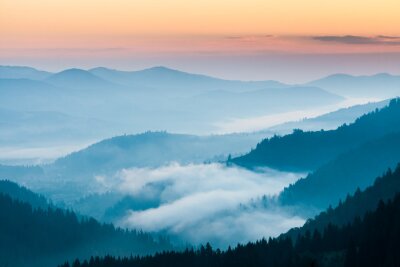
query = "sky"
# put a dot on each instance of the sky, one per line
(286, 40)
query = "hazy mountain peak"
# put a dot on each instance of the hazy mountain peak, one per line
(384, 75)
(78, 78)
(338, 75)
(161, 68)
(22, 72)
(74, 71)
(97, 69)
(165, 71)
(380, 85)
(25, 68)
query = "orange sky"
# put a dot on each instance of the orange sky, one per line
(50, 18)
(108, 29)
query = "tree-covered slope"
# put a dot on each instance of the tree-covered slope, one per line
(356, 168)
(309, 150)
(44, 237)
(371, 241)
(384, 188)
(23, 194)
(151, 149)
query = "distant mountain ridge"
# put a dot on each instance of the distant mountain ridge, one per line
(163, 77)
(17, 72)
(331, 82)
(22, 128)
(77, 78)
(378, 85)
(158, 98)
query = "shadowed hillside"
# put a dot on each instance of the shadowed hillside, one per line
(43, 237)
(370, 241)
(309, 150)
(342, 175)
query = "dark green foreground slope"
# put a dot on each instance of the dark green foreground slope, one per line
(372, 239)
(44, 237)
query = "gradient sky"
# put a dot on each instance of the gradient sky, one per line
(288, 40)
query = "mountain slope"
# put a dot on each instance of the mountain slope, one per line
(331, 120)
(371, 241)
(16, 72)
(32, 95)
(309, 150)
(356, 205)
(77, 174)
(152, 149)
(344, 174)
(22, 194)
(381, 85)
(158, 98)
(36, 128)
(79, 79)
(24, 85)
(20, 172)
(166, 78)
(37, 237)
(278, 100)
(74, 175)
(211, 91)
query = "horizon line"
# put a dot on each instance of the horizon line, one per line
(195, 73)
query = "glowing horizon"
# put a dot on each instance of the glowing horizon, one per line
(199, 36)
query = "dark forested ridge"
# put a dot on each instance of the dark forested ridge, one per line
(309, 150)
(356, 205)
(371, 241)
(356, 168)
(45, 237)
(23, 194)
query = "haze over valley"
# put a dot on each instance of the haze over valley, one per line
(199, 133)
(142, 149)
(46, 115)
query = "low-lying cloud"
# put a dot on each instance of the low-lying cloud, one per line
(206, 202)
(264, 122)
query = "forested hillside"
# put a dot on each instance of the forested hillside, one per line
(44, 237)
(23, 194)
(384, 188)
(371, 241)
(333, 181)
(309, 150)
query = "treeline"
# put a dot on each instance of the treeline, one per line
(46, 237)
(23, 194)
(307, 151)
(356, 205)
(334, 180)
(369, 240)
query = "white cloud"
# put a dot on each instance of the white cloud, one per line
(202, 202)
